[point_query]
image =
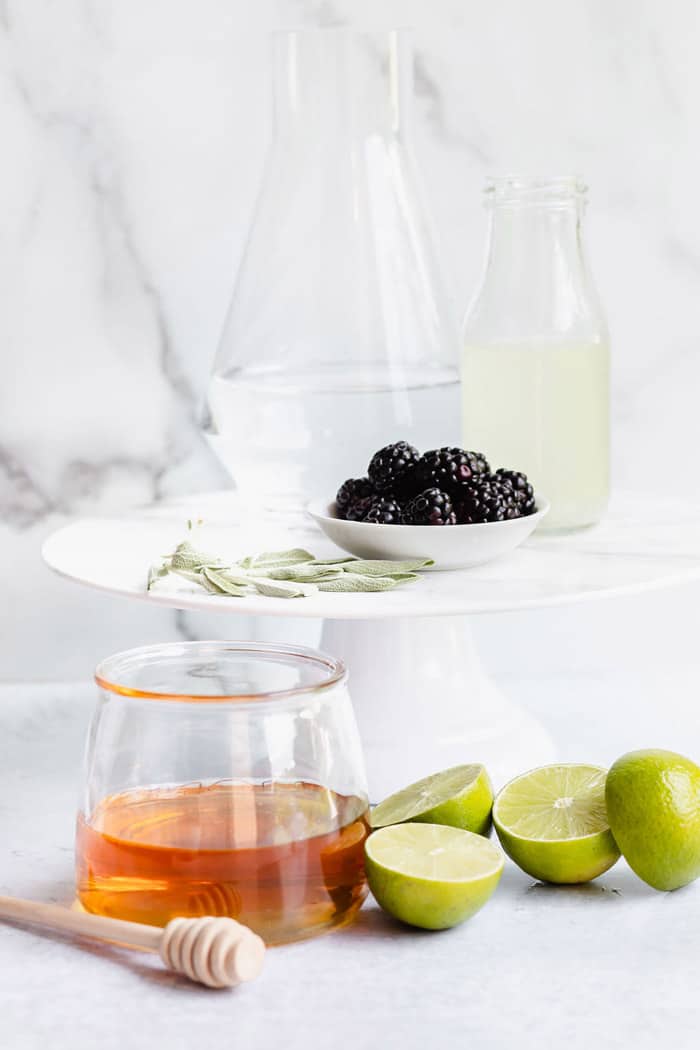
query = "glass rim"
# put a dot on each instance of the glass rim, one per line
(506, 189)
(106, 675)
(360, 30)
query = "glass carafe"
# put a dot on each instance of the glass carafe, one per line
(535, 364)
(339, 337)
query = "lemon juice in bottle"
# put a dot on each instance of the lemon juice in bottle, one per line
(535, 358)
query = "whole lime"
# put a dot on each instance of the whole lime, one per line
(653, 804)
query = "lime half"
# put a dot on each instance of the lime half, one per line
(553, 823)
(460, 797)
(431, 875)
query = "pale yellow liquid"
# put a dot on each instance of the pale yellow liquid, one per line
(544, 409)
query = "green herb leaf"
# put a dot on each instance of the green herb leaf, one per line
(352, 582)
(273, 559)
(283, 588)
(186, 557)
(224, 583)
(284, 574)
(387, 568)
(310, 571)
(198, 577)
(333, 561)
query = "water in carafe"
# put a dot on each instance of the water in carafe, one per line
(340, 337)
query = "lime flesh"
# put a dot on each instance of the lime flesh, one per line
(653, 799)
(553, 823)
(431, 875)
(460, 797)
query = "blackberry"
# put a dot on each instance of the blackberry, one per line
(522, 490)
(359, 507)
(384, 511)
(431, 507)
(502, 491)
(350, 492)
(487, 499)
(450, 468)
(391, 468)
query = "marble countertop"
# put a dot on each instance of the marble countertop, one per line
(610, 964)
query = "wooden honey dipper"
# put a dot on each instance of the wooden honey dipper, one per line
(215, 951)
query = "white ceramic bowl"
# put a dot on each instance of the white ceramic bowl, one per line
(450, 546)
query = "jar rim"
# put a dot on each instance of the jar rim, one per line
(108, 671)
(531, 189)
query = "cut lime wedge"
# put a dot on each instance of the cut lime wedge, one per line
(431, 875)
(460, 797)
(553, 823)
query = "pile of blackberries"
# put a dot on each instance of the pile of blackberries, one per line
(445, 486)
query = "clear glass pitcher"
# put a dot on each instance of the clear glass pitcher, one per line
(535, 361)
(339, 337)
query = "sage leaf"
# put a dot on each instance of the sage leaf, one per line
(283, 588)
(352, 582)
(224, 583)
(236, 578)
(310, 571)
(272, 559)
(284, 574)
(186, 557)
(333, 561)
(387, 568)
(198, 577)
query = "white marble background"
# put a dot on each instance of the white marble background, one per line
(133, 138)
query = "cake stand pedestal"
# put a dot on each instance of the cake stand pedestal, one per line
(422, 699)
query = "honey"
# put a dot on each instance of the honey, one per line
(285, 858)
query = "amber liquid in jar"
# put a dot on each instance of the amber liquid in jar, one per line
(286, 859)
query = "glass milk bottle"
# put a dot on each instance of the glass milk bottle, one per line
(536, 359)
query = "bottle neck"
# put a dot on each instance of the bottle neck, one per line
(536, 283)
(532, 241)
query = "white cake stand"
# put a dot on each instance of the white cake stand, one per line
(421, 697)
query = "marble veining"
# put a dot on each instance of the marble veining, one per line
(133, 149)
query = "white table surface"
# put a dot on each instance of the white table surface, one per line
(612, 964)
